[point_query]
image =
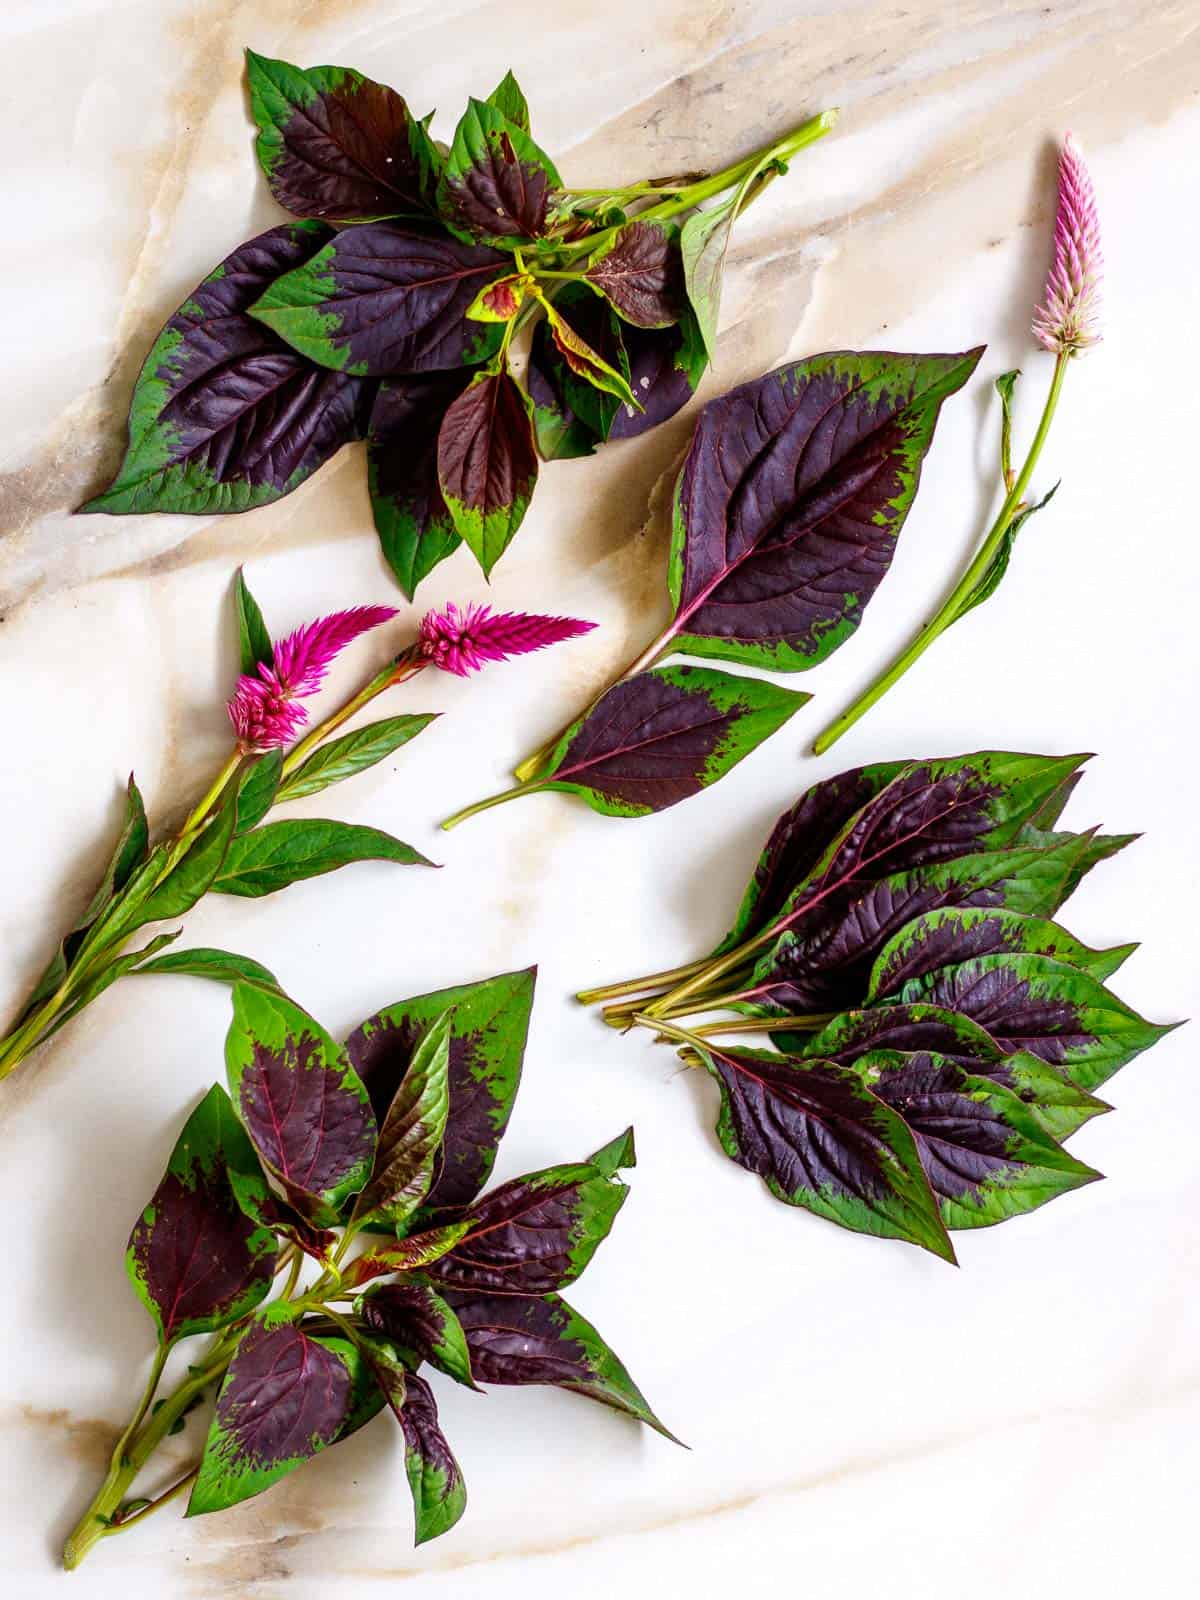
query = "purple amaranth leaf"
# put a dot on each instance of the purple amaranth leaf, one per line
(434, 1476)
(792, 498)
(225, 416)
(284, 1398)
(1042, 1006)
(957, 933)
(416, 530)
(335, 144)
(665, 369)
(196, 1257)
(496, 182)
(854, 1036)
(640, 273)
(664, 735)
(1068, 320)
(411, 1133)
(380, 300)
(534, 1234)
(412, 1316)
(985, 1154)
(410, 1254)
(263, 709)
(302, 1103)
(487, 463)
(818, 1138)
(488, 1030)
(463, 640)
(518, 1339)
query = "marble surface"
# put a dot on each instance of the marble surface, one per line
(863, 1420)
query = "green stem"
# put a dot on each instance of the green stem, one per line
(953, 605)
(121, 1523)
(671, 1030)
(655, 980)
(406, 665)
(808, 1023)
(492, 800)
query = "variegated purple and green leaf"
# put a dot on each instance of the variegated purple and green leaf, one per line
(1036, 1004)
(411, 1134)
(414, 1317)
(285, 1397)
(382, 299)
(409, 1254)
(415, 528)
(664, 735)
(435, 1478)
(196, 1257)
(487, 463)
(302, 1103)
(986, 1155)
(639, 271)
(334, 144)
(534, 1234)
(510, 102)
(496, 182)
(792, 498)
(225, 416)
(818, 1138)
(518, 1339)
(489, 1025)
(956, 933)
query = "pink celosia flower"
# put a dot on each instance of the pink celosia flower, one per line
(263, 709)
(1067, 321)
(463, 641)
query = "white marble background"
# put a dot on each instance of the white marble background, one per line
(864, 1420)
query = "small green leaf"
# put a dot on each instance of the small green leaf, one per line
(280, 853)
(257, 789)
(352, 753)
(223, 966)
(196, 872)
(254, 642)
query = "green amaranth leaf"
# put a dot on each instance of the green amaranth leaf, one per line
(279, 853)
(352, 753)
(254, 641)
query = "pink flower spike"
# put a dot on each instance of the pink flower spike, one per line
(263, 710)
(1068, 320)
(464, 640)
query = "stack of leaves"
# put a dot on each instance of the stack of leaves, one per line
(787, 512)
(385, 1141)
(225, 845)
(389, 312)
(937, 1036)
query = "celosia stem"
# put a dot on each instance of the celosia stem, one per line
(199, 814)
(966, 586)
(406, 665)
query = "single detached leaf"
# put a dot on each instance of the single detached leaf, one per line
(302, 1103)
(352, 753)
(496, 183)
(986, 1155)
(224, 415)
(791, 500)
(487, 464)
(665, 735)
(280, 853)
(223, 966)
(257, 790)
(510, 102)
(406, 1255)
(489, 1024)
(640, 273)
(196, 1259)
(381, 299)
(818, 1138)
(1036, 1004)
(254, 640)
(284, 1398)
(416, 530)
(534, 1234)
(434, 1476)
(411, 1133)
(957, 933)
(334, 144)
(541, 1339)
(415, 1318)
